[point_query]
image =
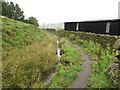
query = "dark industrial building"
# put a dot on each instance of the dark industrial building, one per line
(111, 27)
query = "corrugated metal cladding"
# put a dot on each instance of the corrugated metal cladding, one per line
(111, 27)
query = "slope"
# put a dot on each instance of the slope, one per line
(28, 54)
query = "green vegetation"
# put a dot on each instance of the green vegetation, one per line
(18, 34)
(102, 57)
(28, 54)
(32, 20)
(67, 70)
(101, 39)
(13, 11)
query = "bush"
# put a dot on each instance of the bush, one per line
(102, 39)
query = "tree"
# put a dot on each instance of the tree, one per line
(32, 20)
(1, 1)
(18, 13)
(12, 11)
(5, 8)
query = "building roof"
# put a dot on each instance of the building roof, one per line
(96, 21)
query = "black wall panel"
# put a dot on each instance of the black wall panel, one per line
(98, 27)
(115, 30)
(94, 27)
(70, 26)
(101, 28)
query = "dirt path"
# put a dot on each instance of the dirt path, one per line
(82, 79)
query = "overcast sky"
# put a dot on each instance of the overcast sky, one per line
(55, 11)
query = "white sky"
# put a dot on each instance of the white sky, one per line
(56, 11)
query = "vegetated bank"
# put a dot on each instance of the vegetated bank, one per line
(28, 54)
(69, 66)
(100, 47)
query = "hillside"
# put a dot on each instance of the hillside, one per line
(28, 54)
(18, 34)
(30, 58)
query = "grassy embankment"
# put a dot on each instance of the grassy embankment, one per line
(28, 54)
(102, 57)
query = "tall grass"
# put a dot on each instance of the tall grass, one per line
(29, 54)
(28, 66)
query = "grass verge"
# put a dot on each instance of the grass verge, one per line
(67, 70)
(102, 59)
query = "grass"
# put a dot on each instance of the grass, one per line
(67, 70)
(28, 55)
(102, 57)
(17, 34)
(31, 63)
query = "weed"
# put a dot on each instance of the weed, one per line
(67, 70)
(103, 57)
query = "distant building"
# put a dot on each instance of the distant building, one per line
(111, 27)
